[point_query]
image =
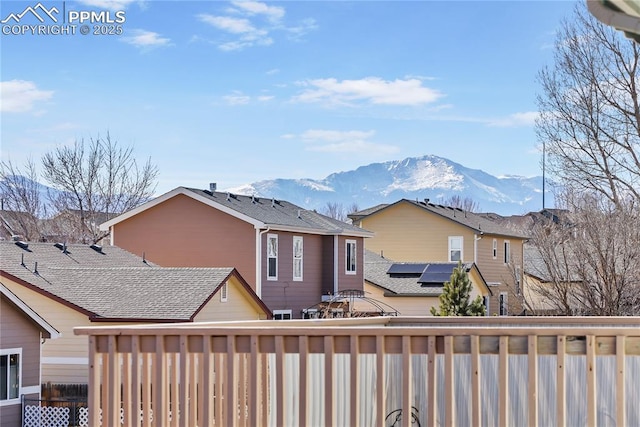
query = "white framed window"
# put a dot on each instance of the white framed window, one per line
(10, 375)
(297, 258)
(350, 257)
(455, 248)
(310, 313)
(507, 251)
(281, 314)
(272, 257)
(224, 292)
(503, 304)
(495, 248)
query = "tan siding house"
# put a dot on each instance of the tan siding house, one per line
(410, 291)
(290, 256)
(82, 287)
(22, 331)
(413, 231)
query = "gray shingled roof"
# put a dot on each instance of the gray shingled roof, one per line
(480, 223)
(112, 284)
(280, 213)
(375, 272)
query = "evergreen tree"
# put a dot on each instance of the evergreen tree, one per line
(454, 300)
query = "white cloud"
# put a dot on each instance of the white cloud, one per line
(334, 141)
(108, 4)
(145, 39)
(273, 13)
(21, 96)
(373, 90)
(251, 23)
(237, 98)
(517, 119)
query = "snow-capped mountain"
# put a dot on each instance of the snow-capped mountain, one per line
(426, 177)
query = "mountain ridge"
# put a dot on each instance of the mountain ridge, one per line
(424, 177)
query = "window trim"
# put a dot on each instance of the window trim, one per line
(507, 252)
(347, 259)
(9, 352)
(495, 248)
(300, 259)
(461, 239)
(269, 257)
(282, 313)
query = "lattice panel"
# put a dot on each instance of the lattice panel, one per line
(84, 416)
(50, 416)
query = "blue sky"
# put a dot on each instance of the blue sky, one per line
(237, 92)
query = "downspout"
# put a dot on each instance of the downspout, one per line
(259, 260)
(475, 247)
(111, 233)
(336, 261)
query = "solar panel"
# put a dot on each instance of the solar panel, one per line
(406, 268)
(437, 273)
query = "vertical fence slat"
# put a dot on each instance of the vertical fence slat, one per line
(532, 359)
(449, 392)
(230, 418)
(147, 392)
(591, 382)
(280, 389)
(112, 414)
(134, 416)
(432, 397)
(206, 413)
(303, 346)
(218, 407)
(503, 381)
(406, 381)
(160, 388)
(380, 380)
(354, 399)
(192, 399)
(475, 381)
(126, 389)
(561, 389)
(254, 399)
(620, 380)
(181, 398)
(328, 381)
(94, 382)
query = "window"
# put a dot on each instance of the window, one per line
(310, 313)
(10, 374)
(281, 314)
(503, 304)
(495, 248)
(272, 257)
(486, 300)
(351, 257)
(518, 274)
(224, 292)
(507, 251)
(297, 258)
(455, 248)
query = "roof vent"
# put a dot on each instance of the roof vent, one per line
(61, 246)
(273, 202)
(96, 247)
(228, 196)
(299, 213)
(23, 245)
(253, 199)
(213, 186)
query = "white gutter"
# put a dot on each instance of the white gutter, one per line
(259, 259)
(336, 262)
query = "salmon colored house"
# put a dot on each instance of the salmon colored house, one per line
(419, 231)
(291, 257)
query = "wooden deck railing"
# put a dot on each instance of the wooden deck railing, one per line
(445, 371)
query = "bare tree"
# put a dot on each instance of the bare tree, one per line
(464, 203)
(22, 204)
(589, 263)
(589, 119)
(96, 180)
(338, 211)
